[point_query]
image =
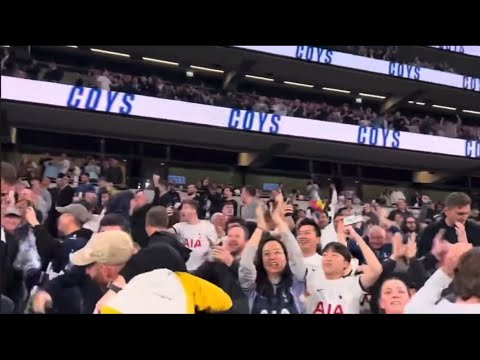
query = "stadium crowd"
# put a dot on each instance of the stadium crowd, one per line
(91, 248)
(328, 110)
(390, 53)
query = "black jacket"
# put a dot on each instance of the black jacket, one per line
(65, 196)
(170, 198)
(425, 241)
(74, 292)
(137, 221)
(164, 251)
(226, 278)
(10, 278)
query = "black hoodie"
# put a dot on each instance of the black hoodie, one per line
(164, 251)
(73, 292)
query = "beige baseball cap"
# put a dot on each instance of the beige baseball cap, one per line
(113, 247)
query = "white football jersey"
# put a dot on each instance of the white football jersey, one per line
(341, 296)
(316, 261)
(199, 238)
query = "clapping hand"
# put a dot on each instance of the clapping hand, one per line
(222, 255)
(31, 217)
(461, 233)
(411, 247)
(453, 256)
(398, 248)
(260, 215)
(278, 212)
(440, 246)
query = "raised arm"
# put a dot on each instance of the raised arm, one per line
(373, 268)
(427, 297)
(333, 200)
(247, 273)
(294, 252)
(46, 245)
(156, 190)
(383, 219)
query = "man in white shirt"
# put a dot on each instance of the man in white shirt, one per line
(308, 237)
(103, 81)
(461, 265)
(197, 235)
(323, 219)
(331, 292)
(64, 164)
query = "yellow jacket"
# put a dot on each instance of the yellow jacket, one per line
(166, 292)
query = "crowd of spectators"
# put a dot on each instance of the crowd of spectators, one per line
(390, 53)
(98, 252)
(347, 113)
(46, 165)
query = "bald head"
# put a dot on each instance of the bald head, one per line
(218, 219)
(377, 237)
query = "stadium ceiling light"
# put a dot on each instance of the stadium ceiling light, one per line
(444, 107)
(159, 61)
(259, 78)
(109, 52)
(471, 112)
(373, 96)
(298, 84)
(5, 45)
(410, 102)
(72, 46)
(337, 90)
(206, 69)
(420, 103)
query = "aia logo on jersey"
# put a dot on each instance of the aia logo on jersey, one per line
(193, 243)
(322, 308)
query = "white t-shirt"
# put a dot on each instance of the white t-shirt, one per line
(64, 166)
(328, 235)
(103, 82)
(314, 260)
(341, 296)
(199, 238)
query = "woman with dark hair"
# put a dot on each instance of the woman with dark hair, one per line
(401, 265)
(272, 271)
(394, 296)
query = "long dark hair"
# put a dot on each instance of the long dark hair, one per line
(404, 227)
(263, 284)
